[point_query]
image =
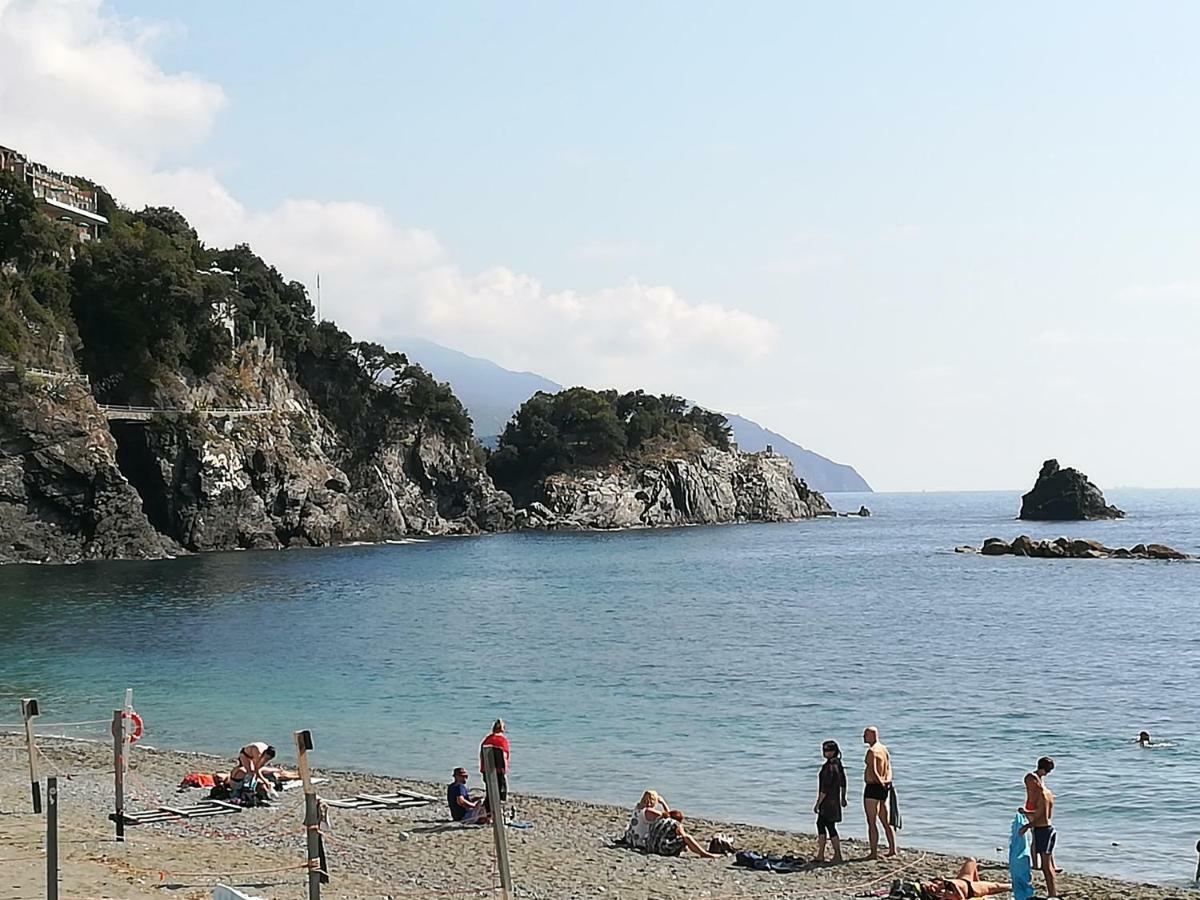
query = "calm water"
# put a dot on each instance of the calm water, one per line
(707, 662)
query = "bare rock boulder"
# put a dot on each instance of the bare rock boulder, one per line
(1063, 495)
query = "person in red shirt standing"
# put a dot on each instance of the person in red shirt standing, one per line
(496, 744)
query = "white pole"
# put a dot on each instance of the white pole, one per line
(29, 709)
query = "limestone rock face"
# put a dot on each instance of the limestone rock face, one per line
(63, 497)
(272, 477)
(1063, 495)
(266, 472)
(710, 487)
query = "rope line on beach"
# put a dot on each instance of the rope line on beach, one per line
(20, 726)
(69, 776)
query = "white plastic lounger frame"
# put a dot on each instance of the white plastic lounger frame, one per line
(397, 800)
(202, 810)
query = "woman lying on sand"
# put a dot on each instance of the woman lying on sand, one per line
(964, 885)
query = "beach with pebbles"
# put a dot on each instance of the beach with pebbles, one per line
(566, 852)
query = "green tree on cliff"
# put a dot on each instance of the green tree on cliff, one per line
(35, 286)
(578, 427)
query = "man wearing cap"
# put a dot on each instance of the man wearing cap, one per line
(462, 807)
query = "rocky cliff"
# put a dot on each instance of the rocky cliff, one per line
(240, 459)
(708, 487)
(63, 497)
(267, 471)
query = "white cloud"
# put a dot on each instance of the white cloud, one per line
(1168, 292)
(80, 89)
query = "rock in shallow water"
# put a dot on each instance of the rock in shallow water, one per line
(1062, 495)
(1063, 548)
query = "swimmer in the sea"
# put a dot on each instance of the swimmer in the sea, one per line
(1144, 739)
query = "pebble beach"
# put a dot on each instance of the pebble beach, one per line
(566, 852)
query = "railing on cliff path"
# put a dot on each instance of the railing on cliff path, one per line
(146, 413)
(49, 374)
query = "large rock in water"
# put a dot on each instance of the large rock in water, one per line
(709, 488)
(1062, 495)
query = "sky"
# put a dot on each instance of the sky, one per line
(940, 242)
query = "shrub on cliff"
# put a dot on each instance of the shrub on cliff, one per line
(581, 427)
(35, 288)
(372, 395)
(142, 308)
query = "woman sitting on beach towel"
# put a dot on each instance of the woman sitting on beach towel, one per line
(668, 837)
(644, 815)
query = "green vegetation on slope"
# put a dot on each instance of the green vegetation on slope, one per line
(35, 286)
(580, 427)
(139, 308)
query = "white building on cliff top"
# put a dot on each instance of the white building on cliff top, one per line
(59, 197)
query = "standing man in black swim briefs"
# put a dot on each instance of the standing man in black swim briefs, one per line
(1039, 809)
(878, 789)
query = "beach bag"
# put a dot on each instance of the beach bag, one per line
(721, 844)
(906, 890)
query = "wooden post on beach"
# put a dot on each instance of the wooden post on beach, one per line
(52, 838)
(312, 819)
(29, 709)
(500, 835)
(127, 739)
(118, 733)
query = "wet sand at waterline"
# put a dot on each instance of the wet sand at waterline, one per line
(566, 854)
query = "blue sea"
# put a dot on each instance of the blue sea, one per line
(708, 663)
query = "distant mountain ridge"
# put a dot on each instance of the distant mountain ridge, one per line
(492, 394)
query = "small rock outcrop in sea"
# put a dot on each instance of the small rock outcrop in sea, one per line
(1065, 548)
(1062, 495)
(712, 487)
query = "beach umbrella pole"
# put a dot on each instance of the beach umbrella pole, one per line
(29, 709)
(118, 733)
(312, 817)
(52, 838)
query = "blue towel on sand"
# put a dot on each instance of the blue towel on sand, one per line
(1020, 865)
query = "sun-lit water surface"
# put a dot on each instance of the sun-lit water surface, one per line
(707, 662)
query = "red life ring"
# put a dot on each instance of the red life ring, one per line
(137, 726)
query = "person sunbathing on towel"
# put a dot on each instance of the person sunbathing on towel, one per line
(964, 885)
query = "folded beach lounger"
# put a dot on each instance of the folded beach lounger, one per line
(202, 810)
(398, 800)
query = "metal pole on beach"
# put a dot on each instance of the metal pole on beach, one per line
(496, 806)
(312, 821)
(29, 709)
(118, 733)
(52, 837)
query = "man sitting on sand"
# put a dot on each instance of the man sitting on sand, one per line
(462, 808)
(964, 885)
(668, 837)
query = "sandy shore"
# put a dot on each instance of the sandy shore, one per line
(410, 853)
